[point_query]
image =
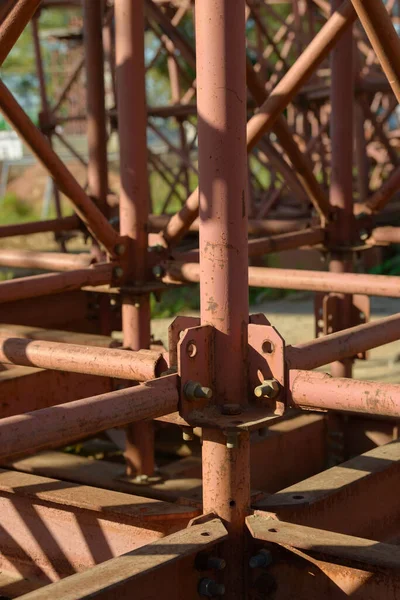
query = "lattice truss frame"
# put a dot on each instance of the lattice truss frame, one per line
(320, 127)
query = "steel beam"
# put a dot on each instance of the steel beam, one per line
(365, 487)
(51, 529)
(163, 568)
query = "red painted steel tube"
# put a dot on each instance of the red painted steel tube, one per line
(270, 110)
(14, 24)
(320, 391)
(95, 102)
(300, 162)
(297, 75)
(255, 226)
(86, 209)
(221, 102)
(383, 195)
(134, 200)
(74, 358)
(385, 235)
(292, 279)
(53, 225)
(267, 245)
(54, 283)
(59, 425)
(383, 37)
(50, 261)
(286, 241)
(344, 344)
(341, 182)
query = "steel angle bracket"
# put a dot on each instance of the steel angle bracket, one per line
(266, 361)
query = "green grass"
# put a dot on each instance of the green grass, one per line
(14, 210)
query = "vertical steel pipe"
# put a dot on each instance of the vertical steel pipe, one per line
(134, 196)
(221, 100)
(95, 101)
(341, 185)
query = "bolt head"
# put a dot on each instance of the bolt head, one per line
(268, 389)
(187, 434)
(158, 271)
(118, 272)
(232, 440)
(209, 588)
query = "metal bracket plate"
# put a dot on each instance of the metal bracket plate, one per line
(326, 308)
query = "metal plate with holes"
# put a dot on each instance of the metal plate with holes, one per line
(266, 360)
(196, 364)
(327, 315)
(175, 330)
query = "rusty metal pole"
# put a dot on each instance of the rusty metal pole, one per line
(221, 81)
(95, 100)
(134, 201)
(341, 188)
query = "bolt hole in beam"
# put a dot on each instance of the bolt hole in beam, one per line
(273, 530)
(205, 534)
(267, 347)
(191, 349)
(232, 504)
(298, 497)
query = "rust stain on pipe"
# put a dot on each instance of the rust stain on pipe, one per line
(59, 425)
(320, 391)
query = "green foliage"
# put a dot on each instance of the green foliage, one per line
(390, 266)
(175, 300)
(15, 210)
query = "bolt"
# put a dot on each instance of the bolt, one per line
(195, 391)
(364, 235)
(216, 563)
(187, 434)
(141, 478)
(118, 272)
(156, 248)
(158, 271)
(232, 440)
(268, 389)
(210, 588)
(119, 249)
(137, 305)
(261, 560)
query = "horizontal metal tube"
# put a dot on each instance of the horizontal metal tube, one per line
(51, 261)
(74, 358)
(256, 226)
(62, 424)
(319, 391)
(286, 241)
(53, 225)
(292, 279)
(267, 245)
(54, 283)
(344, 344)
(386, 235)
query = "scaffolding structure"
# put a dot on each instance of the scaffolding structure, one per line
(311, 103)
